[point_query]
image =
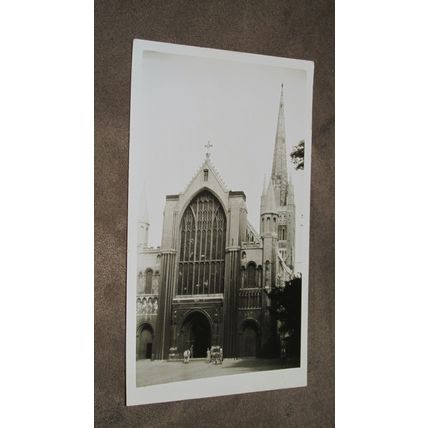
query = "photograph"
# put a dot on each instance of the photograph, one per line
(218, 222)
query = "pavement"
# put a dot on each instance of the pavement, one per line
(158, 372)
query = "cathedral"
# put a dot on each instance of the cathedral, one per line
(208, 283)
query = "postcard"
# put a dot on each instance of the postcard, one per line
(218, 223)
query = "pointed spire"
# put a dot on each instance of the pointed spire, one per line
(290, 194)
(270, 203)
(279, 164)
(264, 184)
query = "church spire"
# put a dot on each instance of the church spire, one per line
(279, 164)
(290, 195)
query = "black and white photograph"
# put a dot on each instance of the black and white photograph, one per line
(207, 261)
(218, 222)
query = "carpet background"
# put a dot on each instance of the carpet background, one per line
(301, 29)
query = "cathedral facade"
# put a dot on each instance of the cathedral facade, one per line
(208, 282)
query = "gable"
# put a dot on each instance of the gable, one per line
(207, 177)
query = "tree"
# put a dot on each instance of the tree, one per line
(285, 310)
(298, 155)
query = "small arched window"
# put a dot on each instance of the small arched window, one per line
(149, 281)
(140, 283)
(155, 282)
(282, 232)
(267, 273)
(251, 275)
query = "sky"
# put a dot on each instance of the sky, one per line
(187, 101)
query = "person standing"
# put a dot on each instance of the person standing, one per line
(191, 351)
(208, 355)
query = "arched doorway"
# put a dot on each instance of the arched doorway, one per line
(196, 332)
(249, 339)
(145, 342)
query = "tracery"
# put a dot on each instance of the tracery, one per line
(202, 246)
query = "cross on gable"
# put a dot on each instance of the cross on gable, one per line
(208, 146)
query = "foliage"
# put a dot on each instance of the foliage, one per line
(285, 309)
(298, 155)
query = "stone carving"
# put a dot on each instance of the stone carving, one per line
(147, 305)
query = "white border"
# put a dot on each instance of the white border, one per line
(222, 385)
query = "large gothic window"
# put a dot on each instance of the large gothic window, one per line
(202, 247)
